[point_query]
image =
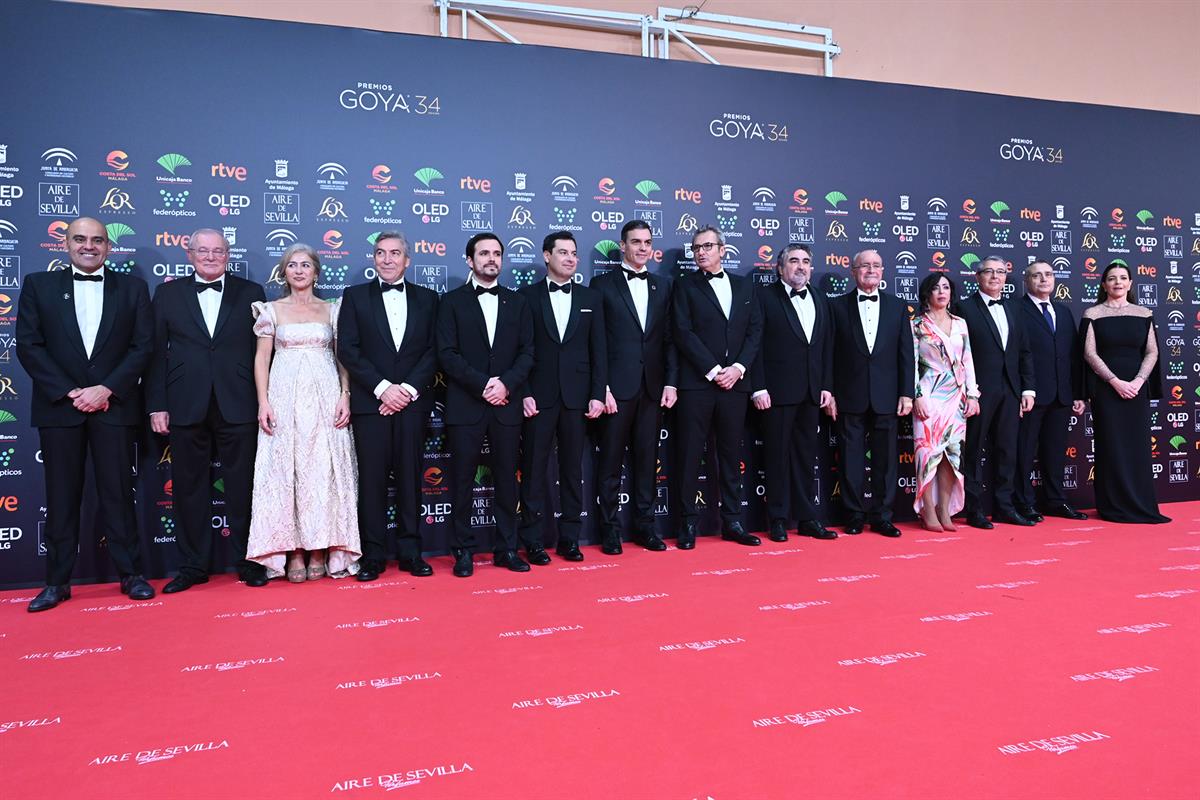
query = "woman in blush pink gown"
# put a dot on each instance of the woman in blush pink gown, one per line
(946, 395)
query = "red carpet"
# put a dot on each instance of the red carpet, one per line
(1058, 662)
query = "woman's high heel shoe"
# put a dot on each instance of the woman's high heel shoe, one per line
(946, 523)
(295, 569)
(316, 569)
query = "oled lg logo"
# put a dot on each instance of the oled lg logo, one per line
(8, 535)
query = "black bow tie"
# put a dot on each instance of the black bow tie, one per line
(863, 298)
(215, 286)
(641, 276)
(564, 288)
(96, 278)
(391, 287)
(994, 303)
(714, 276)
(485, 290)
(801, 293)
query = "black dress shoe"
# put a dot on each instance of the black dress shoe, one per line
(537, 555)
(417, 567)
(736, 533)
(687, 536)
(610, 544)
(1063, 510)
(815, 529)
(49, 597)
(369, 569)
(778, 532)
(976, 519)
(650, 540)
(885, 528)
(509, 560)
(253, 579)
(464, 567)
(855, 525)
(569, 551)
(1030, 514)
(1012, 518)
(135, 587)
(182, 582)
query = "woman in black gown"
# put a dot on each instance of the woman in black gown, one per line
(1120, 346)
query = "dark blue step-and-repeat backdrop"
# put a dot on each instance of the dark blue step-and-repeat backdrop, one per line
(160, 122)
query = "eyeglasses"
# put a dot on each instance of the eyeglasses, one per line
(704, 247)
(205, 252)
(991, 271)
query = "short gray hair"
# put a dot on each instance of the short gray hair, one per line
(783, 254)
(994, 258)
(393, 235)
(861, 253)
(708, 229)
(213, 231)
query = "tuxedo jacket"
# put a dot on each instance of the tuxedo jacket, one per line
(705, 338)
(997, 369)
(789, 366)
(872, 380)
(637, 357)
(468, 361)
(1057, 354)
(50, 347)
(571, 370)
(368, 352)
(189, 366)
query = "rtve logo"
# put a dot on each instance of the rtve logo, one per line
(222, 170)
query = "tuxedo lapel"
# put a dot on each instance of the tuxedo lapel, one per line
(226, 307)
(573, 317)
(623, 290)
(108, 311)
(69, 320)
(789, 310)
(707, 290)
(547, 308)
(859, 337)
(656, 301)
(191, 299)
(379, 312)
(981, 303)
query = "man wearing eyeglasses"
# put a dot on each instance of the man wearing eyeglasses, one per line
(565, 387)
(874, 380)
(84, 335)
(1004, 372)
(718, 328)
(200, 394)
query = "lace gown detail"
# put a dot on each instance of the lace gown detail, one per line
(306, 474)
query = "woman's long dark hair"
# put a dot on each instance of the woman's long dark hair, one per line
(927, 286)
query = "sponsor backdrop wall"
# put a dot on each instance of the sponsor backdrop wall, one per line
(162, 122)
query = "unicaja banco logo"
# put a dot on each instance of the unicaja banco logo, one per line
(426, 175)
(173, 161)
(646, 187)
(835, 198)
(999, 207)
(608, 248)
(118, 229)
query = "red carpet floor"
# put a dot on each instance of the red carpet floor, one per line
(1058, 662)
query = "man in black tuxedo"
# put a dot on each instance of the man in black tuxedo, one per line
(1004, 372)
(718, 327)
(792, 379)
(200, 392)
(565, 386)
(485, 346)
(1058, 381)
(386, 341)
(874, 381)
(84, 335)
(642, 372)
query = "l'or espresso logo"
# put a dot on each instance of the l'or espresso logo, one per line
(806, 718)
(401, 778)
(565, 700)
(158, 753)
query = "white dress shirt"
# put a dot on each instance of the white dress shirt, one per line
(560, 302)
(640, 290)
(210, 302)
(868, 312)
(724, 291)
(396, 305)
(998, 316)
(89, 306)
(806, 309)
(490, 305)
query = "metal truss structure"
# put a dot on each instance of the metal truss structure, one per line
(684, 25)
